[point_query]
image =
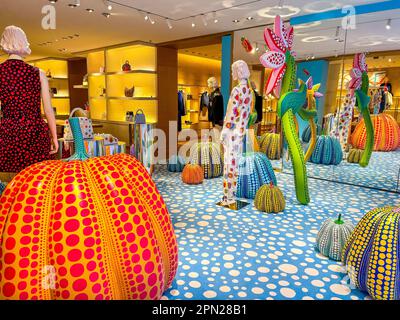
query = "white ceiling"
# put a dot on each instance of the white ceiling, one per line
(370, 35)
(127, 24)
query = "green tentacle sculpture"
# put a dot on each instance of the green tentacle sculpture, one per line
(363, 101)
(282, 83)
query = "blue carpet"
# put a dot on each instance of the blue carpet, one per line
(248, 254)
(382, 171)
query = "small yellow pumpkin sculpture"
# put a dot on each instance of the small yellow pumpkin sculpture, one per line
(269, 199)
(85, 229)
(193, 174)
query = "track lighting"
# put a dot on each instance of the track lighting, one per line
(313, 57)
(152, 21)
(249, 18)
(146, 16)
(169, 24)
(215, 17)
(90, 10)
(52, 1)
(203, 18)
(389, 24)
(106, 14)
(236, 21)
(257, 48)
(280, 4)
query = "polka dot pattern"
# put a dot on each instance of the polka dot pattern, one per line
(24, 136)
(99, 229)
(247, 254)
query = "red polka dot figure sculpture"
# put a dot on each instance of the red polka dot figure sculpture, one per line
(94, 229)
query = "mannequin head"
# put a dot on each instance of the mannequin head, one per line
(240, 70)
(212, 83)
(14, 41)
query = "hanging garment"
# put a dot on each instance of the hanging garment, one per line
(216, 108)
(24, 136)
(235, 125)
(258, 106)
(181, 109)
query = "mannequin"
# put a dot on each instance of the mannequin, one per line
(216, 103)
(234, 128)
(24, 136)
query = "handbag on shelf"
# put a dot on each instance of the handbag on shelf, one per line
(129, 92)
(84, 122)
(140, 118)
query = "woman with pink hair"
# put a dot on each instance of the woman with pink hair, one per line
(24, 136)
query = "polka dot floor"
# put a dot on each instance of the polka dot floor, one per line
(247, 254)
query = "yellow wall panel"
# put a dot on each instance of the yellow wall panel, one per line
(140, 58)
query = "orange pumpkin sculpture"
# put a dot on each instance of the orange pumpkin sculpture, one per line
(386, 132)
(193, 174)
(91, 229)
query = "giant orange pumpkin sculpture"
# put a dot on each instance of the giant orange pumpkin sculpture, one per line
(386, 133)
(85, 229)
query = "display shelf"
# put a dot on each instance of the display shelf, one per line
(134, 98)
(81, 87)
(59, 81)
(132, 72)
(140, 57)
(106, 90)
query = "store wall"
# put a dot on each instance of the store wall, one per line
(167, 69)
(195, 71)
(319, 71)
(77, 68)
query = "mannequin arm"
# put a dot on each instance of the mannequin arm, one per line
(48, 111)
(228, 124)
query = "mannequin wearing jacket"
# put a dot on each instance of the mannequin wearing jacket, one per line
(234, 128)
(216, 103)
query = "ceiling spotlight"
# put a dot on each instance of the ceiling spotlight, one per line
(389, 24)
(249, 18)
(390, 60)
(76, 3)
(146, 16)
(90, 10)
(53, 1)
(152, 21)
(215, 17)
(313, 57)
(106, 14)
(236, 21)
(203, 18)
(169, 24)
(108, 5)
(280, 4)
(193, 25)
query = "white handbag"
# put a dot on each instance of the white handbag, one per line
(84, 122)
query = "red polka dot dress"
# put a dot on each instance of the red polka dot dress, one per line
(24, 136)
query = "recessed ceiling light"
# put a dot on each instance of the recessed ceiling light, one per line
(53, 1)
(90, 10)
(236, 21)
(106, 14)
(108, 5)
(390, 59)
(249, 18)
(152, 21)
(389, 24)
(72, 5)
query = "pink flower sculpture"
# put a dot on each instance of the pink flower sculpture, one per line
(279, 42)
(359, 67)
